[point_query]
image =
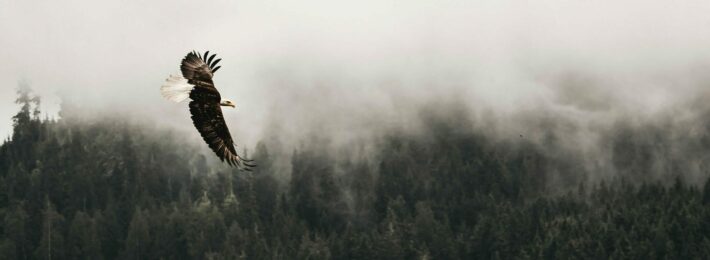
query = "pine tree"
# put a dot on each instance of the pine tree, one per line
(52, 244)
(83, 240)
(137, 244)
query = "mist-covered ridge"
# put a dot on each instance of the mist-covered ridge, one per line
(453, 187)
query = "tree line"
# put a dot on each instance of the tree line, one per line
(111, 189)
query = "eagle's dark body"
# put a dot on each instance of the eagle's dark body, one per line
(206, 110)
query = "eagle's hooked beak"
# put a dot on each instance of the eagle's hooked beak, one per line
(227, 104)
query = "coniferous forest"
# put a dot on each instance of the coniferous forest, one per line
(113, 189)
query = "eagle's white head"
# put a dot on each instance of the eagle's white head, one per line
(227, 103)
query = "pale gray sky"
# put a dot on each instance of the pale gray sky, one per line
(345, 61)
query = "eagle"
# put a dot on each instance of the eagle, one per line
(205, 105)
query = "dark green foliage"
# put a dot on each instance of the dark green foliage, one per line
(79, 189)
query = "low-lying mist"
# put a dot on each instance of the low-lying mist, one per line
(584, 127)
(606, 90)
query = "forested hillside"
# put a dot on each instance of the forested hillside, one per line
(112, 189)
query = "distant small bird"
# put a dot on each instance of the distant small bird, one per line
(196, 84)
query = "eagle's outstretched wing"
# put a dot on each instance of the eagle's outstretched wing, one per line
(205, 108)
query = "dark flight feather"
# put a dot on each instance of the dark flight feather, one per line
(206, 111)
(209, 60)
(215, 63)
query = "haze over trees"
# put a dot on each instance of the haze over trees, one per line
(113, 189)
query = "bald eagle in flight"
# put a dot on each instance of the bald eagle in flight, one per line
(205, 105)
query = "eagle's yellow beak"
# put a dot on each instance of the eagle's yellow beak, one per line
(227, 103)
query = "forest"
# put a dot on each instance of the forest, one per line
(115, 189)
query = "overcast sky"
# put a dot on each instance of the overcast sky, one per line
(324, 58)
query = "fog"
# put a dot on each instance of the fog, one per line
(350, 70)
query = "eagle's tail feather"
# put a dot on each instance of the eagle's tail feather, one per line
(176, 88)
